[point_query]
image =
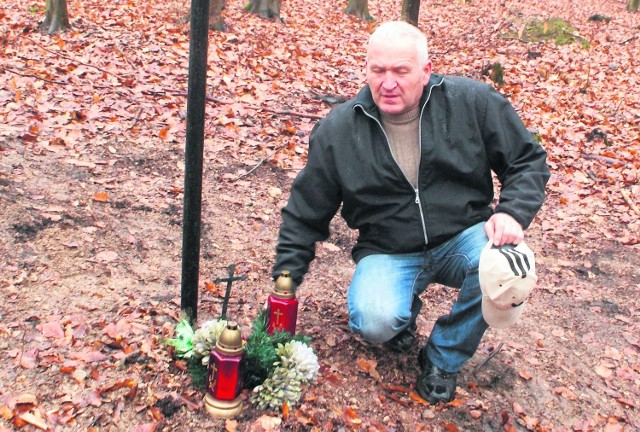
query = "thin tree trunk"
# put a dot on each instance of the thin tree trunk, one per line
(632, 5)
(57, 16)
(266, 8)
(411, 11)
(216, 22)
(359, 8)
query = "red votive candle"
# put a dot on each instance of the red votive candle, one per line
(225, 374)
(282, 306)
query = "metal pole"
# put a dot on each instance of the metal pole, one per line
(196, 100)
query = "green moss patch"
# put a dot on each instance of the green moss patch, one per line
(553, 29)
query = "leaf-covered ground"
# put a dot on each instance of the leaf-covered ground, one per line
(91, 175)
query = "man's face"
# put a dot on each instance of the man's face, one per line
(395, 76)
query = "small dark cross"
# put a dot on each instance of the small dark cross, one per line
(227, 294)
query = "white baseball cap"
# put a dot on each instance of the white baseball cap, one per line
(507, 277)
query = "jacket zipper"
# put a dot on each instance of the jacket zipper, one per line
(424, 225)
(417, 188)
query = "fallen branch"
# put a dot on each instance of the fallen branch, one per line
(186, 401)
(259, 108)
(629, 201)
(515, 38)
(76, 60)
(489, 357)
(396, 399)
(273, 110)
(129, 358)
(619, 104)
(135, 120)
(33, 76)
(269, 156)
(606, 159)
(22, 349)
(576, 35)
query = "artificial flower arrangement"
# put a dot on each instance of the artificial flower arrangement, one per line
(278, 366)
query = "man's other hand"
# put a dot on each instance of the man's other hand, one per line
(504, 229)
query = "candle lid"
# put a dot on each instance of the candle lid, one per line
(284, 286)
(230, 341)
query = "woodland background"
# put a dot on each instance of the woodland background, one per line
(91, 179)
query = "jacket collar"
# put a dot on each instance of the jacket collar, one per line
(364, 99)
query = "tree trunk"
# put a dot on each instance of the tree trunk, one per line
(265, 8)
(359, 8)
(632, 6)
(57, 16)
(216, 22)
(411, 11)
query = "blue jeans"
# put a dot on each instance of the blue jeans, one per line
(383, 288)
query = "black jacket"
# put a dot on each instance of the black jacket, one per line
(467, 130)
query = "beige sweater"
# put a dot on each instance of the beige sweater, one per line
(402, 130)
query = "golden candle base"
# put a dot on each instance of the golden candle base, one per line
(221, 408)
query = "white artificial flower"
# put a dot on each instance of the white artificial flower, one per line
(305, 360)
(205, 338)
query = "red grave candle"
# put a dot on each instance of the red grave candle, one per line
(225, 374)
(282, 306)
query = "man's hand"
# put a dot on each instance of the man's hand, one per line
(504, 229)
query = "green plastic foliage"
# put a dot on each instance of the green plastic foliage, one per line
(183, 338)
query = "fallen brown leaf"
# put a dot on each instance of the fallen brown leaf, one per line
(626, 401)
(147, 427)
(475, 414)
(332, 378)
(603, 371)
(525, 375)
(213, 288)
(106, 256)
(231, 425)
(34, 420)
(28, 359)
(416, 397)
(88, 356)
(6, 412)
(531, 422)
(368, 366)
(517, 408)
(266, 423)
(120, 328)
(26, 399)
(450, 427)
(455, 403)
(349, 413)
(101, 197)
(396, 388)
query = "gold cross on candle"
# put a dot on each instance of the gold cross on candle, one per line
(212, 375)
(278, 314)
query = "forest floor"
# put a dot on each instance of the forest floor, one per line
(91, 193)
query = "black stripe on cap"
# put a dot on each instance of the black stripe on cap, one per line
(516, 258)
